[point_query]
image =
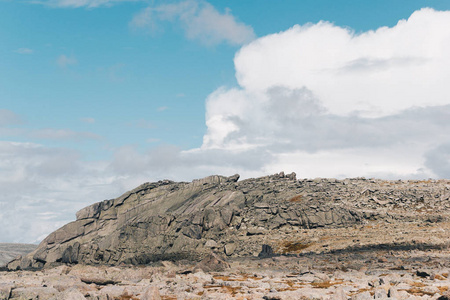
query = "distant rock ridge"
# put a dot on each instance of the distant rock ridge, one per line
(168, 220)
(9, 251)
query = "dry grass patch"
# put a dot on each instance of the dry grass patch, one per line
(169, 297)
(127, 297)
(362, 291)
(227, 278)
(439, 277)
(297, 198)
(289, 246)
(243, 277)
(233, 290)
(417, 284)
(418, 292)
(326, 284)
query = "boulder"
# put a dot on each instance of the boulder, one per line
(212, 263)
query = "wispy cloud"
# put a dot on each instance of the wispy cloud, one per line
(141, 123)
(88, 120)
(162, 108)
(200, 21)
(8, 117)
(64, 61)
(24, 51)
(79, 3)
(62, 134)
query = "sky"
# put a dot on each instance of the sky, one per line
(99, 96)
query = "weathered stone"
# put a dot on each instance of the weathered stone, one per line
(380, 293)
(72, 294)
(174, 221)
(266, 251)
(192, 231)
(210, 244)
(34, 293)
(362, 296)
(151, 293)
(5, 290)
(230, 248)
(212, 263)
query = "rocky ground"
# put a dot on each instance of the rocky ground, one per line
(370, 261)
(273, 237)
(413, 274)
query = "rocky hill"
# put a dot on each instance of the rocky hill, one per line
(272, 215)
(9, 251)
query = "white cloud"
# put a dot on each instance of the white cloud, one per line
(141, 123)
(80, 3)
(323, 101)
(200, 21)
(374, 73)
(88, 120)
(65, 61)
(24, 51)
(43, 187)
(61, 134)
(8, 117)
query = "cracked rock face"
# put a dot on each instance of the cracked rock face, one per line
(168, 220)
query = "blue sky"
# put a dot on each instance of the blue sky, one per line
(98, 96)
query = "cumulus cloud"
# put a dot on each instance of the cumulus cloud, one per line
(323, 101)
(373, 73)
(200, 21)
(65, 61)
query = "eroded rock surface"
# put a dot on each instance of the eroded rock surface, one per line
(176, 221)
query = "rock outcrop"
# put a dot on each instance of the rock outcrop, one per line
(10, 251)
(168, 220)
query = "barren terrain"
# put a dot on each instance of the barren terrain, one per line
(273, 237)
